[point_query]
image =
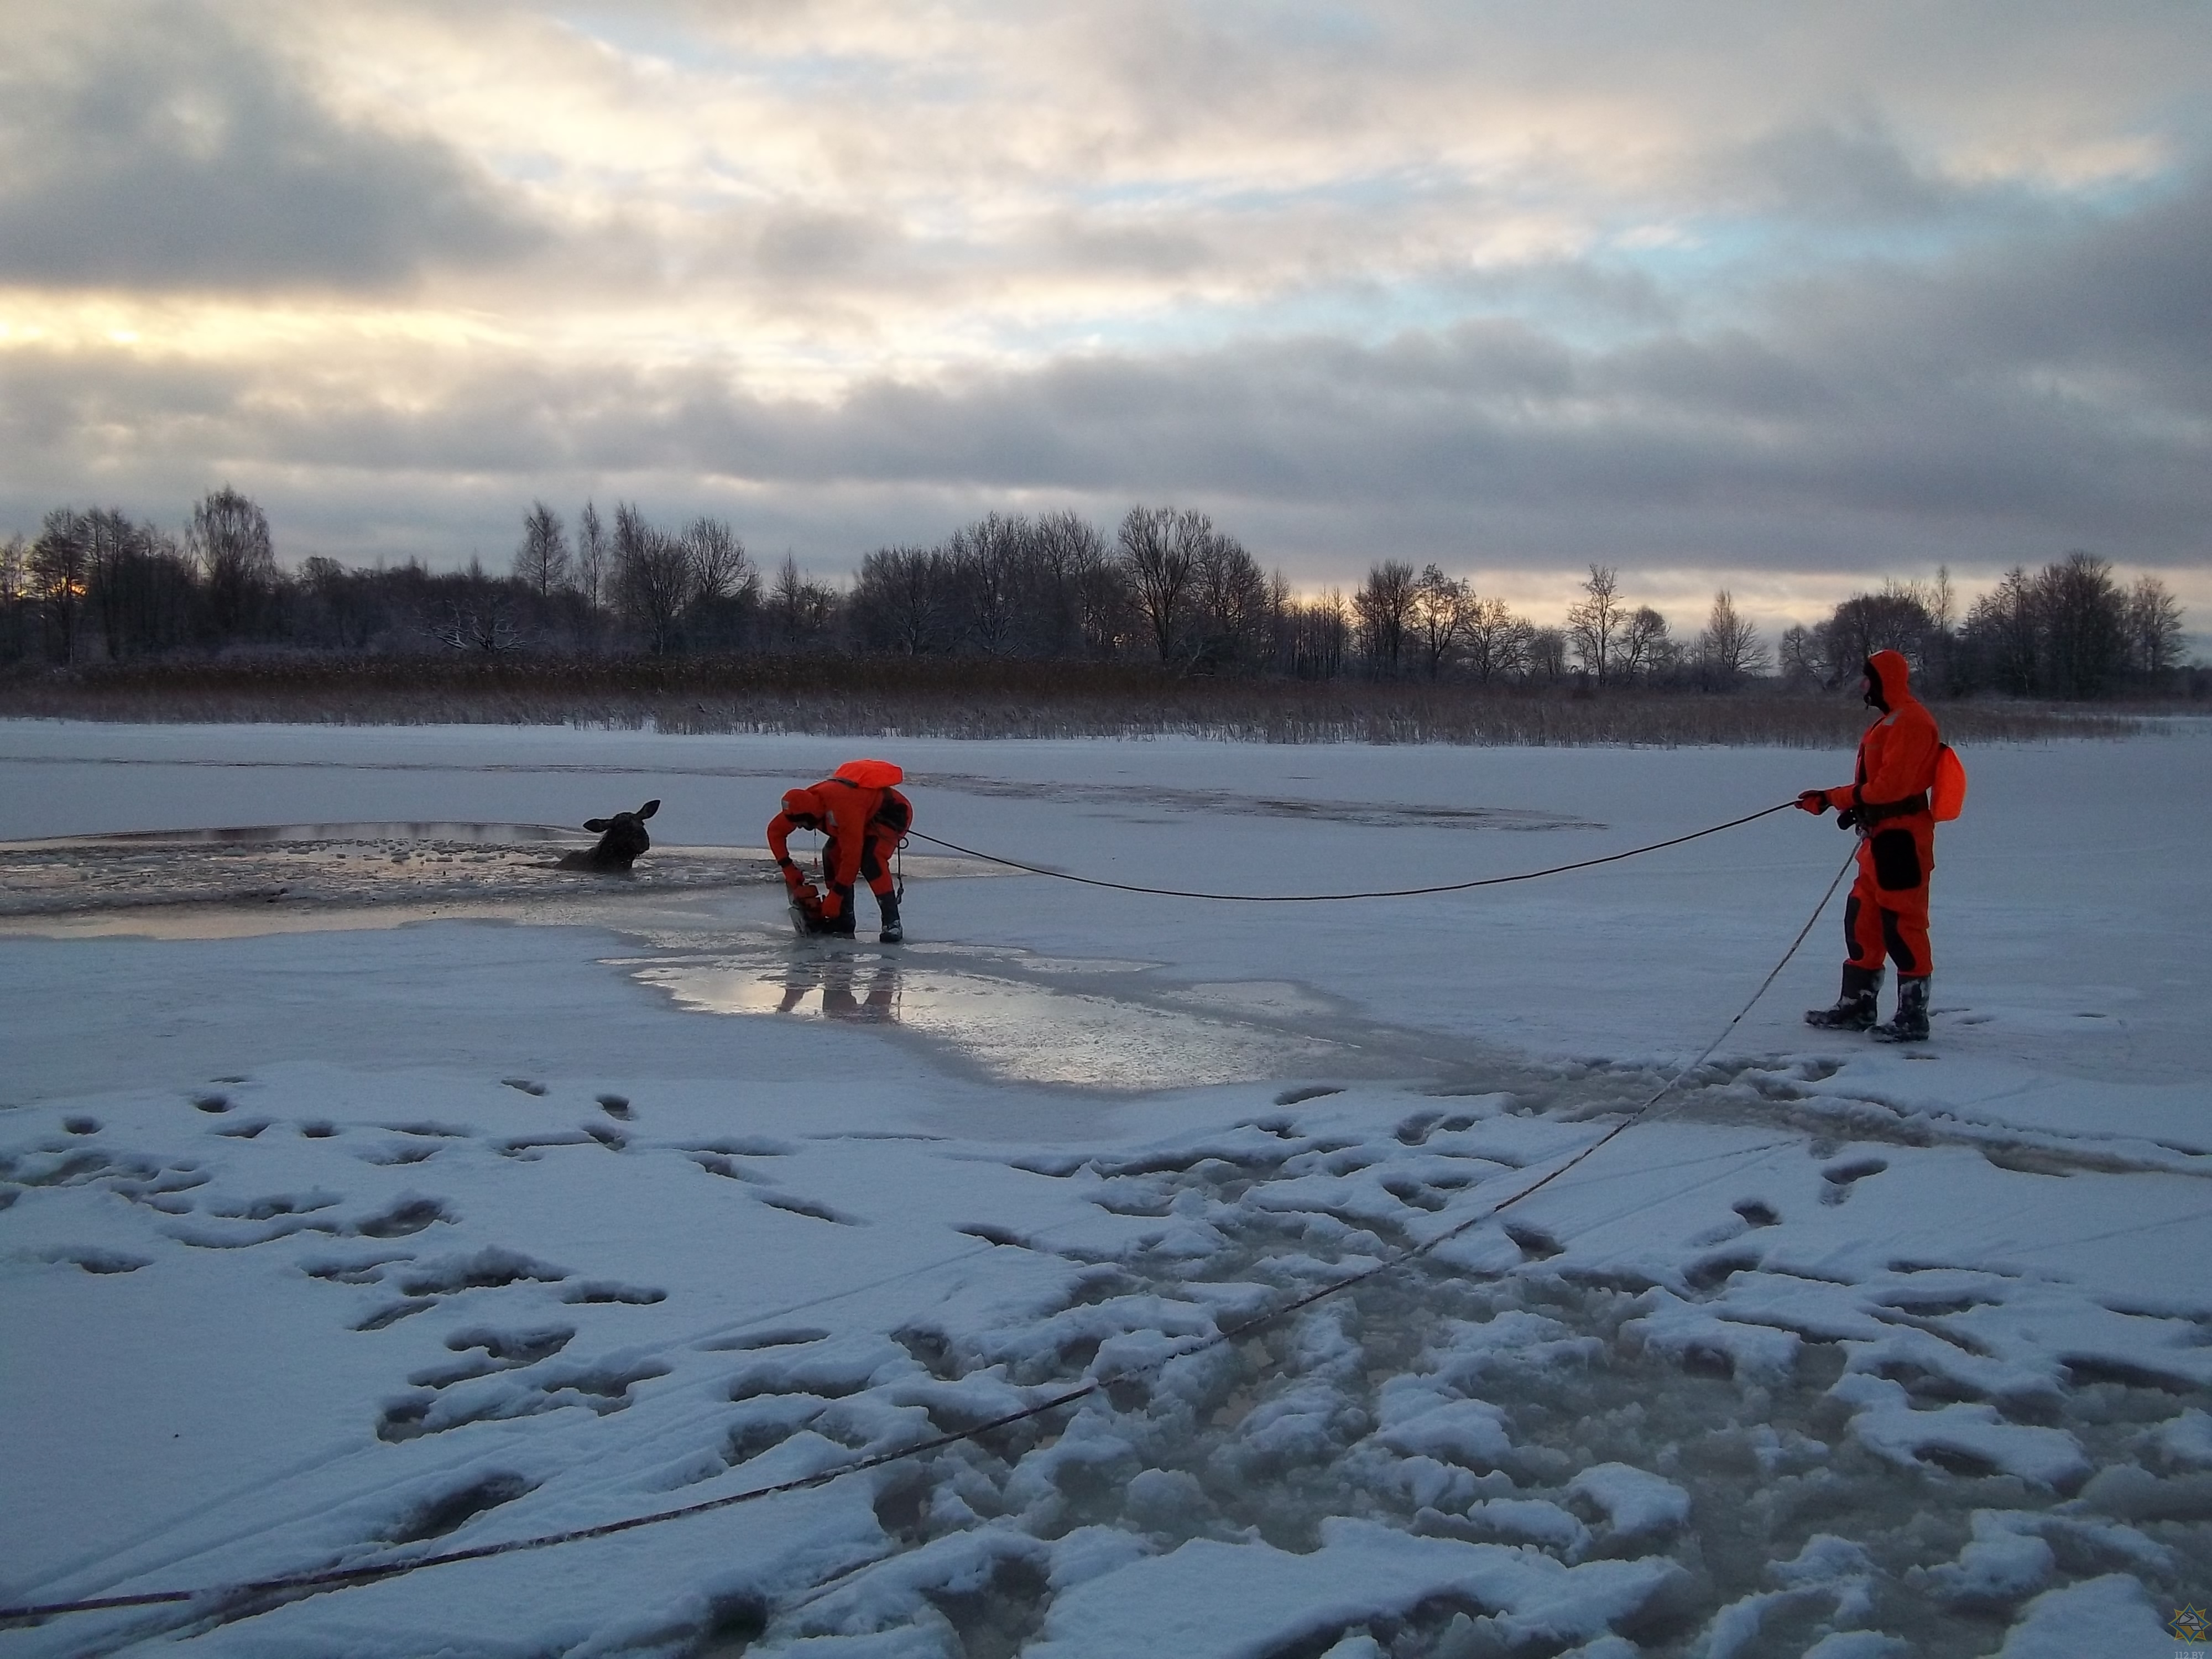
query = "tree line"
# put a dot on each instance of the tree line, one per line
(1169, 587)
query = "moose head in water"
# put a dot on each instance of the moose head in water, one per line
(621, 838)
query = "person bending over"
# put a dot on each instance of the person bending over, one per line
(864, 817)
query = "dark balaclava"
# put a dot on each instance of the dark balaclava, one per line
(1875, 698)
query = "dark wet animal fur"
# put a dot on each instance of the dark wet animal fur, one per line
(621, 838)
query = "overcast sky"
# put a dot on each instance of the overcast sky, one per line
(1790, 298)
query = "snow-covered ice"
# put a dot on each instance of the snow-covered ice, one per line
(369, 1189)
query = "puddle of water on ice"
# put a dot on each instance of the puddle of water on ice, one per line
(1011, 1029)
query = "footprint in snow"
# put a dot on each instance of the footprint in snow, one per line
(1841, 1178)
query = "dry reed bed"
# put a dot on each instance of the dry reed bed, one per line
(934, 697)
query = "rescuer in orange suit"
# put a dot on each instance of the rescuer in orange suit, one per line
(1888, 804)
(865, 818)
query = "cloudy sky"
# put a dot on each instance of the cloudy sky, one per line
(1789, 297)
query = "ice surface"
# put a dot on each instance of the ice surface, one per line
(2110, 1614)
(345, 1228)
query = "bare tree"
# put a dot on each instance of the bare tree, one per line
(1547, 653)
(2083, 630)
(1646, 647)
(991, 556)
(719, 567)
(1895, 619)
(1441, 606)
(652, 578)
(802, 610)
(541, 561)
(592, 557)
(1384, 606)
(59, 561)
(113, 545)
(1941, 600)
(1159, 551)
(1105, 605)
(2001, 629)
(1730, 647)
(2154, 624)
(1595, 622)
(1081, 608)
(1229, 603)
(229, 541)
(1314, 636)
(138, 584)
(1498, 642)
(16, 597)
(1800, 656)
(902, 600)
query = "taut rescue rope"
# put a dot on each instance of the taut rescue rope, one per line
(1331, 898)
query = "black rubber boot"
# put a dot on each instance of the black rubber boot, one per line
(1855, 1009)
(892, 933)
(1910, 1024)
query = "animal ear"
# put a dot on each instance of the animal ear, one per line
(598, 826)
(648, 809)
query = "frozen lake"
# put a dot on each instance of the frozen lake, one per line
(372, 1188)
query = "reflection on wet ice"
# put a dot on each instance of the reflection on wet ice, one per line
(989, 1013)
(842, 997)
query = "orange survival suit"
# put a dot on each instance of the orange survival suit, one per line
(864, 818)
(1887, 803)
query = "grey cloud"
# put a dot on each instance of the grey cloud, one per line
(167, 152)
(2006, 405)
(802, 243)
(1834, 175)
(1146, 250)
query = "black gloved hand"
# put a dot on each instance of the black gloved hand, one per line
(1848, 818)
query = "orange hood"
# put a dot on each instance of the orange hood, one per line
(1892, 677)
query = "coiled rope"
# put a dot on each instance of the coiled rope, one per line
(218, 1597)
(1333, 898)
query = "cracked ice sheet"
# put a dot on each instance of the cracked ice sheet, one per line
(827, 1237)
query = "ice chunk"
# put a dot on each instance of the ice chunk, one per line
(1515, 1340)
(2000, 1568)
(1090, 1552)
(1431, 1484)
(1212, 1600)
(1532, 1521)
(1472, 1433)
(1972, 1435)
(1735, 1626)
(1635, 1501)
(1167, 1500)
(2186, 1441)
(1686, 1332)
(1825, 1559)
(2110, 1614)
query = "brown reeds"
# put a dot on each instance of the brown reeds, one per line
(967, 697)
